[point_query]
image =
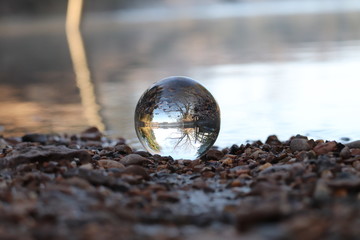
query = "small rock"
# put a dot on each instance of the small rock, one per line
(213, 154)
(91, 134)
(265, 166)
(134, 159)
(323, 148)
(227, 161)
(136, 170)
(43, 154)
(299, 144)
(143, 153)
(237, 183)
(88, 166)
(208, 174)
(355, 151)
(345, 152)
(124, 149)
(294, 169)
(110, 164)
(273, 140)
(34, 137)
(256, 154)
(354, 144)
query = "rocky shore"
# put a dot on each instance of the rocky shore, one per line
(87, 186)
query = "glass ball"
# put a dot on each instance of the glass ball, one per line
(177, 117)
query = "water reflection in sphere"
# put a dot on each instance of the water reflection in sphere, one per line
(177, 117)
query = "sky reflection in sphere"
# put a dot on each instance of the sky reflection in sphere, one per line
(177, 117)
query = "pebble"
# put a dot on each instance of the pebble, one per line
(273, 140)
(88, 166)
(44, 153)
(355, 151)
(91, 134)
(299, 144)
(345, 153)
(35, 137)
(136, 170)
(124, 149)
(134, 159)
(354, 144)
(106, 163)
(265, 166)
(324, 148)
(264, 191)
(213, 154)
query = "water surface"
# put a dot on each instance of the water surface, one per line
(271, 72)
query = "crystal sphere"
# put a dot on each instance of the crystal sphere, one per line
(177, 117)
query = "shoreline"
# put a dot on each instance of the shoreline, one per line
(88, 186)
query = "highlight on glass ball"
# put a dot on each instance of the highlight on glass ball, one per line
(177, 117)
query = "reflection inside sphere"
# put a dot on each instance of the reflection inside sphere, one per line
(177, 117)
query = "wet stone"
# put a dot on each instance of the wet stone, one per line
(44, 153)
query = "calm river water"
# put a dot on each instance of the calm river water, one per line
(281, 68)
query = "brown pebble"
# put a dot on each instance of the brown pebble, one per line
(323, 148)
(122, 148)
(91, 134)
(136, 170)
(273, 140)
(355, 151)
(134, 159)
(345, 153)
(213, 154)
(236, 183)
(265, 166)
(227, 161)
(208, 174)
(354, 144)
(107, 163)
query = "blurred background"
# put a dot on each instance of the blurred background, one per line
(281, 67)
